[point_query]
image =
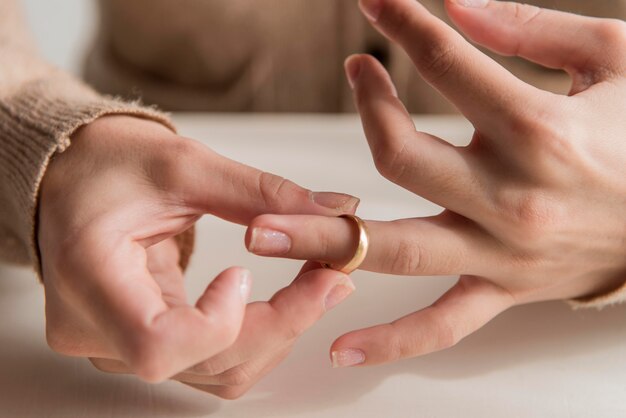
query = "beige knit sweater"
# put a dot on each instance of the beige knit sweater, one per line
(40, 108)
(235, 55)
(267, 55)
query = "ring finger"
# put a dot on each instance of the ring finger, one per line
(447, 244)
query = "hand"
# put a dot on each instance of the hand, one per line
(535, 205)
(110, 208)
(267, 336)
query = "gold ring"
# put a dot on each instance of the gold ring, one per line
(361, 249)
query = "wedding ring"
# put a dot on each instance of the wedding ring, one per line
(361, 249)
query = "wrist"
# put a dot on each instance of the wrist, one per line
(96, 146)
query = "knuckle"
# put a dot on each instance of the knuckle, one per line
(407, 257)
(548, 136)
(434, 54)
(390, 159)
(530, 211)
(612, 32)
(532, 216)
(525, 14)
(438, 61)
(274, 189)
(146, 358)
(399, 21)
(556, 137)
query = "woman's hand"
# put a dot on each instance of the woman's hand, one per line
(110, 208)
(267, 336)
(535, 205)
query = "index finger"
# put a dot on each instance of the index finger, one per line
(211, 183)
(476, 84)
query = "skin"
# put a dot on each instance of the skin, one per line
(110, 207)
(534, 206)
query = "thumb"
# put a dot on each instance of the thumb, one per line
(550, 38)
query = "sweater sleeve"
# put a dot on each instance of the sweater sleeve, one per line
(40, 108)
(602, 301)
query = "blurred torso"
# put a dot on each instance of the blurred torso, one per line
(265, 55)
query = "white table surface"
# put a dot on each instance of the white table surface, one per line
(542, 360)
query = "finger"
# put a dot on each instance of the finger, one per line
(244, 378)
(247, 361)
(271, 326)
(237, 193)
(231, 384)
(419, 162)
(185, 335)
(465, 308)
(581, 45)
(476, 84)
(443, 245)
(157, 341)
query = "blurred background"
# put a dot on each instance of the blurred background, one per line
(63, 29)
(244, 55)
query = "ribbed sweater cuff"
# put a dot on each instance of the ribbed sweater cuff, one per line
(613, 298)
(34, 124)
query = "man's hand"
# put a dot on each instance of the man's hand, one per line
(535, 205)
(110, 208)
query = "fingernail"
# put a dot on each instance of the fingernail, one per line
(478, 4)
(347, 357)
(371, 8)
(339, 293)
(265, 241)
(335, 200)
(352, 66)
(245, 284)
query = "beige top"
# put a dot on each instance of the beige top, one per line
(236, 55)
(267, 55)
